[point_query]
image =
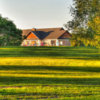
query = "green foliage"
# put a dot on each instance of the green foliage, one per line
(94, 24)
(83, 25)
(9, 34)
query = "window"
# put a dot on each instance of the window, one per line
(61, 42)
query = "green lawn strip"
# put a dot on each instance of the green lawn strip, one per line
(64, 52)
(52, 91)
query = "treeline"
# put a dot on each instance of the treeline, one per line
(85, 25)
(9, 34)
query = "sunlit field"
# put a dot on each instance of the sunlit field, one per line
(49, 73)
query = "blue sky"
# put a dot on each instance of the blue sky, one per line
(36, 13)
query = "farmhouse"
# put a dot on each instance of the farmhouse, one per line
(46, 37)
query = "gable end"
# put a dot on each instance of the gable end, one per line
(31, 35)
(65, 36)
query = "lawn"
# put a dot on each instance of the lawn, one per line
(49, 73)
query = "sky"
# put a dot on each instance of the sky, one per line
(27, 14)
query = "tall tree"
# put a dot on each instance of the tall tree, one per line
(84, 12)
(9, 34)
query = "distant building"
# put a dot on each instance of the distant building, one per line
(46, 37)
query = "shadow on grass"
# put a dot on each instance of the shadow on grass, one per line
(45, 81)
(65, 52)
(36, 80)
(52, 68)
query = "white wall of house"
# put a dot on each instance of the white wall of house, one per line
(31, 43)
(47, 42)
(58, 42)
(64, 42)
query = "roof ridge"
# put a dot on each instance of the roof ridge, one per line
(26, 29)
(51, 28)
(45, 28)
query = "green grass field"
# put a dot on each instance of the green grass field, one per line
(49, 73)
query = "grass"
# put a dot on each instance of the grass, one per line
(49, 73)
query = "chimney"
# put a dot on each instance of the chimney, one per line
(34, 29)
(62, 28)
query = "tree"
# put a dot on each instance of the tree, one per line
(9, 34)
(84, 13)
(94, 24)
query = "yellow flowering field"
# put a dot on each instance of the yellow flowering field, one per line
(49, 73)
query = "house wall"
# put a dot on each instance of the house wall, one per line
(47, 42)
(57, 42)
(31, 43)
(64, 42)
(50, 42)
